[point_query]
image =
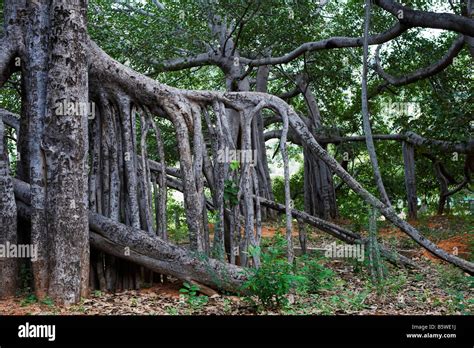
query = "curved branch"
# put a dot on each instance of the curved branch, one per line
(426, 19)
(333, 42)
(176, 64)
(445, 146)
(210, 58)
(10, 119)
(422, 73)
(7, 53)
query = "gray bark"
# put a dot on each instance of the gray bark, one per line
(408, 151)
(65, 145)
(258, 141)
(161, 195)
(129, 154)
(8, 225)
(35, 74)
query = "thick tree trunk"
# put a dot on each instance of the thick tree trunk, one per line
(9, 277)
(319, 192)
(443, 188)
(65, 147)
(35, 75)
(163, 257)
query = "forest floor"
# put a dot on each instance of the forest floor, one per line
(438, 289)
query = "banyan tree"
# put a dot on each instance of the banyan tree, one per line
(89, 195)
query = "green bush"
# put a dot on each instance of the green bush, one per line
(191, 294)
(29, 300)
(316, 276)
(274, 279)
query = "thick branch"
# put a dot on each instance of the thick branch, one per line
(10, 119)
(184, 62)
(7, 52)
(422, 73)
(425, 19)
(333, 42)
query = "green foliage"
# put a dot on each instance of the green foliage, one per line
(26, 279)
(345, 301)
(32, 299)
(97, 293)
(231, 192)
(452, 278)
(392, 284)
(191, 294)
(274, 280)
(296, 188)
(172, 311)
(463, 303)
(175, 213)
(231, 185)
(29, 300)
(48, 301)
(316, 276)
(190, 290)
(234, 165)
(459, 287)
(354, 301)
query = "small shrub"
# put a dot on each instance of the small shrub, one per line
(274, 279)
(97, 293)
(28, 300)
(190, 293)
(316, 276)
(48, 301)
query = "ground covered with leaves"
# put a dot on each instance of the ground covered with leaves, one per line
(319, 286)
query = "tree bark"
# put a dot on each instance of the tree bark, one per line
(65, 145)
(35, 74)
(410, 178)
(8, 225)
